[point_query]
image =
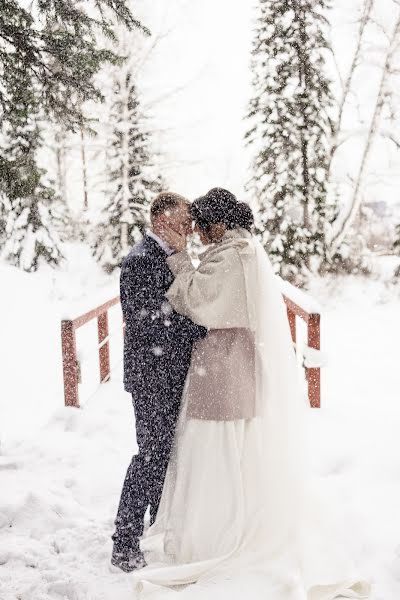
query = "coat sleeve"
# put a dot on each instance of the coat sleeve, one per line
(214, 295)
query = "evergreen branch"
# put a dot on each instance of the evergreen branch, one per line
(59, 51)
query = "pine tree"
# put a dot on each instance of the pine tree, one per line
(63, 220)
(28, 224)
(30, 234)
(4, 210)
(396, 247)
(133, 178)
(49, 56)
(290, 132)
(55, 44)
(397, 240)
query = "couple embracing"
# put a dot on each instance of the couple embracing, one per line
(220, 416)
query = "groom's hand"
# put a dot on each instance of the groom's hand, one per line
(176, 240)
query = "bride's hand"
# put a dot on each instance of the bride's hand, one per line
(175, 240)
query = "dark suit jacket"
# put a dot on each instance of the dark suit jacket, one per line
(158, 341)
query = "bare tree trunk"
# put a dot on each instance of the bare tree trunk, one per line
(366, 16)
(125, 177)
(368, 6)
(306, 181)
(84, 170)
(61, 166)
(345, 220)
(303, 78)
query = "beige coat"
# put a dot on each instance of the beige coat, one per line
(221, 384)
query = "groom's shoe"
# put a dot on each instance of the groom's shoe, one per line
(127, 560)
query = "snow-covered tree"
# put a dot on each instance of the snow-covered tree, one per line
(57, 145)
(352, 257)
(50, 53)
(30, 236)
(55, 45)
(345, 220)
(396, 246)
(397, 240)
(4, 209)
(133, 179)
(290, 132)
(29, 224)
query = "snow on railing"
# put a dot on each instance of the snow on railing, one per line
(301, 298)
(298, 304)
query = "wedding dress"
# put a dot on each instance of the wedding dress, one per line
(237, 499)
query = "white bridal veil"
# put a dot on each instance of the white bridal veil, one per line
(264, 480)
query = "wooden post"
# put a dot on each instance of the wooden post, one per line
(292, 323)
(104, 350)
(70, 364)
(314, 374)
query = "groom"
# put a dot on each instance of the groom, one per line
(157, 350)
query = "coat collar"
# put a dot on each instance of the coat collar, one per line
(160, 242)
(233, 237)
(236, 234)
(153, 247)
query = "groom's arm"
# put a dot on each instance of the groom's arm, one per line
(145, 307)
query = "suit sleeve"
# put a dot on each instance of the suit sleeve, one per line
(145, 307)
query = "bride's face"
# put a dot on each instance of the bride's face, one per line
(217, 232)
(205, 240)
(212, 235)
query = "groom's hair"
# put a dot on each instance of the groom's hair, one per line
(165, 201)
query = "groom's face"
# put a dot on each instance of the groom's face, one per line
(179, 219)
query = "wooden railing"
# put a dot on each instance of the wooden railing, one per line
(312, 320)
(71, 365)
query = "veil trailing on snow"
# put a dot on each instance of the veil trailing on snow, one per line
(280, 401)
(255, 470)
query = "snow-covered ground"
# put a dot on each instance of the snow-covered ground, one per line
(61, 469)
(31, 309)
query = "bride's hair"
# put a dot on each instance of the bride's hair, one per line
(221, 206)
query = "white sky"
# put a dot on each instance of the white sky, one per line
(207, 55)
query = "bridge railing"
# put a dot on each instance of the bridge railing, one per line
(312, 319)
(296, 307)
(71, 364)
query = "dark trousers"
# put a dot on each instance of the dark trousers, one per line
(155, 429)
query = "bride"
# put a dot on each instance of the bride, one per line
(235, 498)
